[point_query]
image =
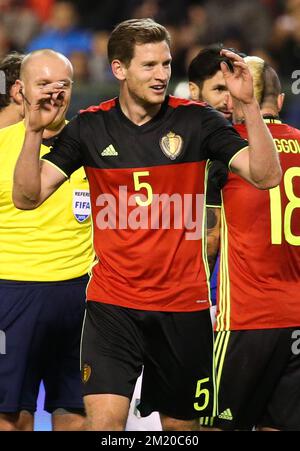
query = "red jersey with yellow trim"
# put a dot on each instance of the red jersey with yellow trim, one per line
(259, 280)
(147, 186)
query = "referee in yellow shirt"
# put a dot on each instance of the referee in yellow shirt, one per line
(45, 255)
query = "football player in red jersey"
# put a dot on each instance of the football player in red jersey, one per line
(148, 301)
(258, 316)
(207, 84)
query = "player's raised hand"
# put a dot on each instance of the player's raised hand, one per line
(239, 81)
(43, 105)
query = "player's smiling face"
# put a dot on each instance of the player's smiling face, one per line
(148, 74)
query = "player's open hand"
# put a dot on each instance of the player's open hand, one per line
(239, 81)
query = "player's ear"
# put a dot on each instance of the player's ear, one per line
(280, 100)
(16, 92)
(119, 70)
(194, 91)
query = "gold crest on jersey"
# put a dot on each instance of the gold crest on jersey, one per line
(86, 373)
(171, 145)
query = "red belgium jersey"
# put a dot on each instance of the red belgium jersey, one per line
(147, 186)
(259, 279)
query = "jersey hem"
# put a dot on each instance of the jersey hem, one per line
(259, 327)
(235, 155)
(56, 167)
(198, 307)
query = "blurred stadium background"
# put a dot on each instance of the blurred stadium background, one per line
(80, 29)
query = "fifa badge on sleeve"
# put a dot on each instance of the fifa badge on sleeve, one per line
(81, 204)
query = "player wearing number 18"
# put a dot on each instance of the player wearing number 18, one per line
(148, 301)
(258, 308)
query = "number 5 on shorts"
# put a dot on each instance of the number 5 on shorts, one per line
(203, 392)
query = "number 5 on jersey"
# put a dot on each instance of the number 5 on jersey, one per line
(138, 185)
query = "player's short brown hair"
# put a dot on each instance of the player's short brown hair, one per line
(133, 32)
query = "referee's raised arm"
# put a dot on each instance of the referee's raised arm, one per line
(35, 180)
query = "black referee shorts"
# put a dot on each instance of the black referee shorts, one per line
(176, 350)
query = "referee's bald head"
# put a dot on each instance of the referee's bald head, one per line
(43, 56)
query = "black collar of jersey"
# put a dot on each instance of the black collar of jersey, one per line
(270, 119)
(148, 125)
(49, 142)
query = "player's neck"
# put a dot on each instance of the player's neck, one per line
(137, 113)
(269, 111)
(10, 115)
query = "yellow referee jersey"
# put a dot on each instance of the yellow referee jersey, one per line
(50, 243)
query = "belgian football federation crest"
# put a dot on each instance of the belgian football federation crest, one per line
(171, 145)
(86, 373)
(81, 204)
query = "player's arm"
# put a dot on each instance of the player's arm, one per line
(34, 180)
(260, 163)
(217, 177)
(213, 215)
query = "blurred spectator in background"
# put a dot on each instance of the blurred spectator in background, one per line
(4, 41)
(274, 7)
(79, 30)
(285, 40)
(79, 62)
(190, 35)
(42, 8)
(105, 14)
(147, 8)
(101, 15)
(19, 21)
(181, 89)
(293, 112)
(63, 35)
(99, 68)
(197, 21)
(250, 18)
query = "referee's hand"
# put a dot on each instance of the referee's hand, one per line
(43, 105)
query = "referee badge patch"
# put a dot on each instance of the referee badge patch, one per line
(171, 145)
(81, 204)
